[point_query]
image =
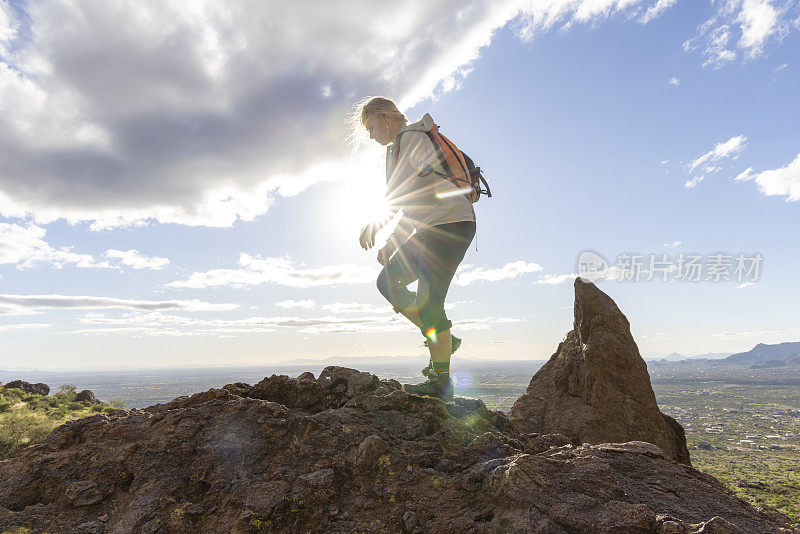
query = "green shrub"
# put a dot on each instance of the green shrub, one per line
(117, 403)
(37, 403)
(13, 393)
(4, 406)
(67, 392)
(20, 429)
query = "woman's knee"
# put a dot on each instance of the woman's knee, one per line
(383, 285)
(433, 319)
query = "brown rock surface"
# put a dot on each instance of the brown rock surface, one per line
(596, 388)
(349, 452)
(27, 387)
(85, 396)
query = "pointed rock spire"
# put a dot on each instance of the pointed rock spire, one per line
(595, 388)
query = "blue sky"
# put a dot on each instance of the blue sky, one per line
(184, 194)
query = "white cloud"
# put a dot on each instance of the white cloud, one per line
(656, 10)
(356, 307)
(746, 284)
(660, 336)
(749, 24)
(759, 335)
(25, 247)
(202, 112)
(7, 24)
(22, 326)
(554, 279)
(694, 181)
(132, 258)
(758, 20)
(159, 323)
(304, 304)
(784, 181)
(745, 175)
(254, 270)
(785, 65)
(485, 323)
(674, 81)
(31, 304)
(673, 244)
(731, 148)
(468, 274)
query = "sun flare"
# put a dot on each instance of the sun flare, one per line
(359, 199)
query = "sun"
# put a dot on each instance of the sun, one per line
(357, 197)
(361, 200)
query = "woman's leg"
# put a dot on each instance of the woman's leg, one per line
(441, 350)
(398, 273)
(441, 250)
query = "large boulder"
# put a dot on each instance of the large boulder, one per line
(27, 387)
(595, 388)
(86, 396)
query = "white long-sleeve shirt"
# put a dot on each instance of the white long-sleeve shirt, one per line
(425, 201)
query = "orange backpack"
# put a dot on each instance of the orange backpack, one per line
(458, 167)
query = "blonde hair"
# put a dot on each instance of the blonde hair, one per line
(369, 107)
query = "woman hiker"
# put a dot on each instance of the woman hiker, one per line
(444, 221)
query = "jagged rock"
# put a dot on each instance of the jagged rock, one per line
(368, 452)
(83, 493)
(27, 387)
(302, 455)
(91, 527)
(596, 388)
(85, 396)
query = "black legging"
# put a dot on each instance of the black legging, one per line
(431, 256)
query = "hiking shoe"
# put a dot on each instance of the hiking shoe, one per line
(437, 385)
(455, 342)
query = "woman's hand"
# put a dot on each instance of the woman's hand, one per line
(367, 238)
(384, 254)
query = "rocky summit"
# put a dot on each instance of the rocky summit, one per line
(349, 452)
(596, 387)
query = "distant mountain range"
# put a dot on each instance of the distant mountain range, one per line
(675, 357)
(763, 356)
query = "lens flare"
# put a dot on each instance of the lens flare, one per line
(462, 380)
(448, 194)
(430, 333)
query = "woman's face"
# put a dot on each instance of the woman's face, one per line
(379, 130)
